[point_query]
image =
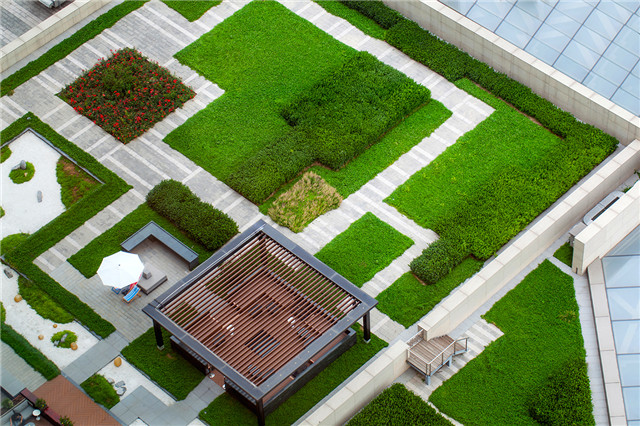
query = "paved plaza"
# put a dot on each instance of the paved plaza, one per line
(159, 32)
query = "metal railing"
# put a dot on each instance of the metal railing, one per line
(454, 348)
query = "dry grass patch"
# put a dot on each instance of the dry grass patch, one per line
(307, 199)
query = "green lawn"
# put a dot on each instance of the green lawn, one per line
(247, 57)
(166, 367)
(225, 410)
(564, 254)
(192, 10)
(494, 180)
(368, 246)
(88, 259)
(407, 299)
(542, 333)
(398, 406)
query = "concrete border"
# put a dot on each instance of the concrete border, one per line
(47, 30)
(505, 57)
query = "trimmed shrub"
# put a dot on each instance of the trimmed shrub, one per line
(307, 199)
(437, 260)
(203, 223)
(397, 405)
(31, 355)
(565, 399)
(98, 388)
(42, 303)
(377, 11)
(333, 122)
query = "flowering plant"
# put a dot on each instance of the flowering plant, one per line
(126, 94)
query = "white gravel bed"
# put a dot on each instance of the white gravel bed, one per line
(132, 379)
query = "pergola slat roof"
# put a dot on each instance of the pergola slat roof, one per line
(259, 309)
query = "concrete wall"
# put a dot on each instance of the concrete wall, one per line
(530, 244)
(607, 230)
(503, 56)
(362, 387)
(47, 30)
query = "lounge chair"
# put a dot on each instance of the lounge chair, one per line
(131, 294)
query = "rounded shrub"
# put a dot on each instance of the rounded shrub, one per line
(437, 260)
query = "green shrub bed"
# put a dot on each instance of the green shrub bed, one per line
(12, 241)
(397, 405)
(407, 299)
(376, 11)
(227, 411)
(42, 303)
(68, 45)
(23, 348)
(5, 153)
(192, 10)
(88, 259)
(22, 256)
(166, 367)
(497, 178)
(368, 246)
(100, 390)
(542, 333)
(199, 220)
(19, 176)
(355, 18)
(333, 122)
(565, 254)
(126, 94)
(74, 182)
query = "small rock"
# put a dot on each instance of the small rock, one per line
(22, 165)
(121, 391)
(74, 346)
(41, 337)
(55, 325)
(110, 380)
(39, 196)
(117, 362)
(56, 343)
(119, 384)
(63, 338)
(18, 298)
(8, 273)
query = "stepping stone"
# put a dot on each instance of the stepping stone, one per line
(39, 196)
(119, 384)
(121, 391)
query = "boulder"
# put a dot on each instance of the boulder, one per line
(39, 196)
(74, 346)
(117, 362)
(63, 338)
(41, 337)
(8, 273)
(22, 165)
(18, 298)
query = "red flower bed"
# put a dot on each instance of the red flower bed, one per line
(126, 94)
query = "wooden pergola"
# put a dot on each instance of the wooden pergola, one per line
(264, 314)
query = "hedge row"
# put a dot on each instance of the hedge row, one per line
(333, 122)
(565, 399)
(68, 45)
(376, 11)
(203, 223)
(21, 258)
(437, 260)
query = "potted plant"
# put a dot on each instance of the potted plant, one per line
(41, 404)
(65, 421)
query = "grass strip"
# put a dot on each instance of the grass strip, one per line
(542, 332)
(398, 406)
(565, 254)
(65, 47)
(100, 390)
(355, 18)
(227, 411)
(368, 246)
(42, 303)
(88, 259)
(166, 367)
(192, 10)
(407, 299)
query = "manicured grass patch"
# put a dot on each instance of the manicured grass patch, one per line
(42, 303)
(12, 241)
(564, 254)
(166, 367)
(365, 248)
(192, 10)
(68, 45)
(376, 11)
(22, 256)
(23, 348)
(126, 94)
(88, 259)
(100, 390)
(309, 198)
(68, 336)
(202, 222)
(358, 20)
(225, 410)
(495, 179)
(541, 328)
(407, 299)
(74, 182)
(5, 153)
(397, 405)
(19, 176)
(260, 74)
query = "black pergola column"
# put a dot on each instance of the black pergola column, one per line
(158, 331)
(260, 412)
(366, 319)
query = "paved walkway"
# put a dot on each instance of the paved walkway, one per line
(16, 374)
(19, 16)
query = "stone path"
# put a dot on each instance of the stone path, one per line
(16, 374)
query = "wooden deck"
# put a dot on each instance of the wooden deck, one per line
(67, 400)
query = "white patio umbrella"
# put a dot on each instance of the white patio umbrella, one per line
(120, 269)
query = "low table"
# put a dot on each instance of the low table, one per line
(147, 285)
